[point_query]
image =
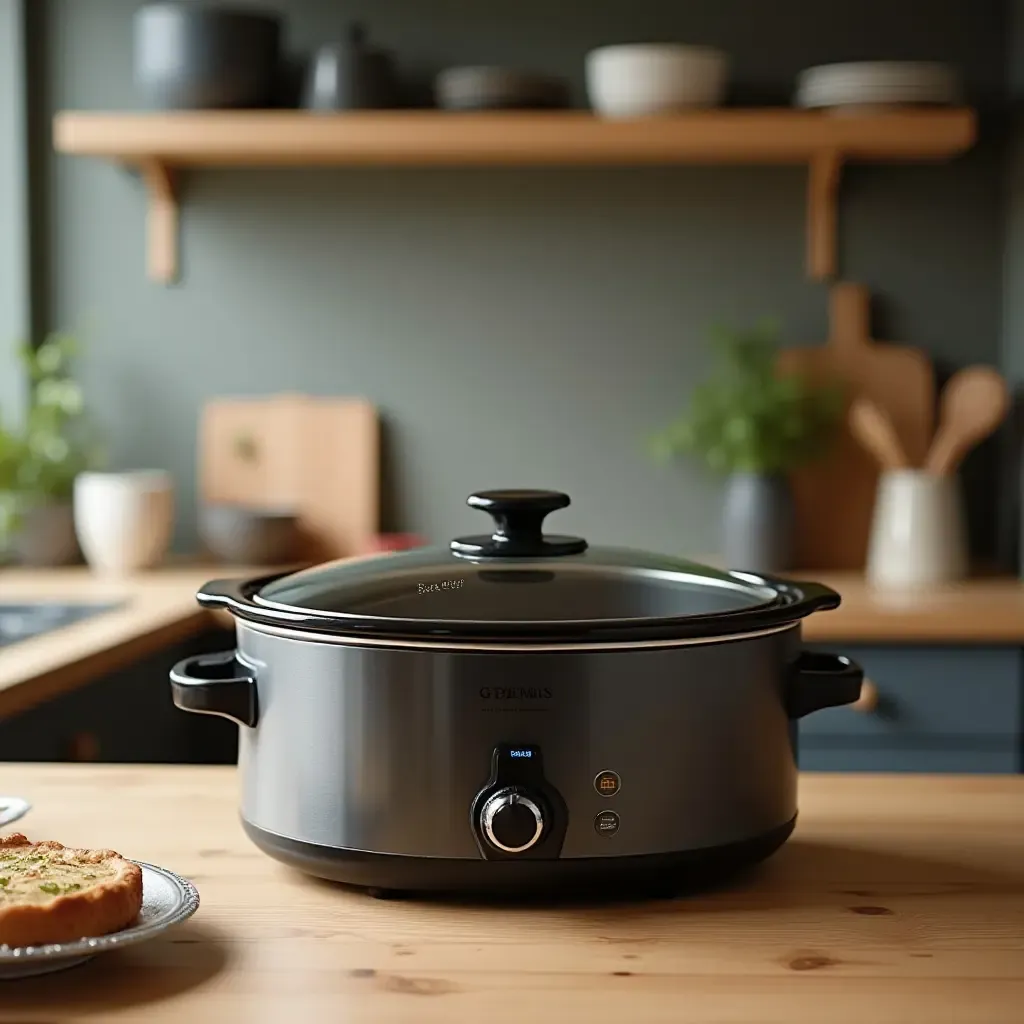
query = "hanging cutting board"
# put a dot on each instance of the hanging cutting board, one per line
(835, 497)
(319, 456)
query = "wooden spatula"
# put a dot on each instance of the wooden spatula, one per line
(874, 429)
(974, 403)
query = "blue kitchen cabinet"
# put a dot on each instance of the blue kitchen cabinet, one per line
(125, 717)
(940, 709)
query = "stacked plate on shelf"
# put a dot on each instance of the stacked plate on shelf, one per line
(878, 84)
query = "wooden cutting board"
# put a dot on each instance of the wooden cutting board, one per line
(835, 498)
(320, 456)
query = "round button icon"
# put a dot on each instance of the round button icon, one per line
(607, 783)
(606, 823)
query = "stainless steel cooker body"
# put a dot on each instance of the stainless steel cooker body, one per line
(385, 750)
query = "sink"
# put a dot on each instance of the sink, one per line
(23, 620)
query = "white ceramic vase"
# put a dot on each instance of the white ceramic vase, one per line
(917, 536)
(124, 520)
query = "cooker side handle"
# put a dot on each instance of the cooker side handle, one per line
(806, 597)
(822, 681)
(232, 594)
(216, 684)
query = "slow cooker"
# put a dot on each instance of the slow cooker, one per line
(516, 710)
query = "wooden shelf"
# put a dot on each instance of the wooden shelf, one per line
(160, 144)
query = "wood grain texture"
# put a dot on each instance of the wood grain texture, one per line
(974, 611)
(423, 138)
(835, 497)
(319, 456)
(899, 899)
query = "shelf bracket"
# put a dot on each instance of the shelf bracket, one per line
(822, 197)
(161, 220)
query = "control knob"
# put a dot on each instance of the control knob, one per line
(512, 821)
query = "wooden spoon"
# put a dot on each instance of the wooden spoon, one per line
(874, 429)
(974, 403)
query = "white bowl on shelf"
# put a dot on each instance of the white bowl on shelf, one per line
(640, 80)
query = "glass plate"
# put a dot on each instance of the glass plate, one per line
(167, 900)
(12, 808)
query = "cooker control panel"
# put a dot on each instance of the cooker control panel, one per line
(518, 814)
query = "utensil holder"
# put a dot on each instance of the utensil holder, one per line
(917, 534)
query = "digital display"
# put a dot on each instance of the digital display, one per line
(520, 753)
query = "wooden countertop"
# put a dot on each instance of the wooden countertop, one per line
(986, 610)
(899, 899)
(159, 608)
(155, 609)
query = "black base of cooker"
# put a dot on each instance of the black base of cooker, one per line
(603, 877)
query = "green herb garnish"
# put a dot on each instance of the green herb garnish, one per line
(72, 888)
(50, 887)
(4, 882)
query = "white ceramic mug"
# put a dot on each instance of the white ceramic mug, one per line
(917, 536)
(124, 520)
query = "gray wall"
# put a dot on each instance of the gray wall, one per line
(515, 327)
(1013, 286)
(1013, 293)
(14, 299)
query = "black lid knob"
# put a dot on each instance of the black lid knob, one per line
(518, 526)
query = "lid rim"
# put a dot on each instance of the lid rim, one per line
(508, 647)
(793, 602)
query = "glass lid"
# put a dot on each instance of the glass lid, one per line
(516, 579)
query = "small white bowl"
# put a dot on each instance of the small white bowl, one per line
(655, 78)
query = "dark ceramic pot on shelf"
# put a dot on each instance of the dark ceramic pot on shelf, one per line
(517, 710)
(191, 56)
(351, 75)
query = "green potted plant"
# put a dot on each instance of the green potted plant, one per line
(755, 425)
(40, 459)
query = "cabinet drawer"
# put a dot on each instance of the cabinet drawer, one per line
(928, 693)
(1000, 761)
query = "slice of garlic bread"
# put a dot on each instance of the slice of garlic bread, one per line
(49, 893)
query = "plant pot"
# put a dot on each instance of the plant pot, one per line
(758, 523)
(45, 535)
